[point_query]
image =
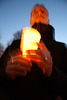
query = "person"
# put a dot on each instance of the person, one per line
(27, 79)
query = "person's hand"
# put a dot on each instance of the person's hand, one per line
(42, 58)
(18, 66)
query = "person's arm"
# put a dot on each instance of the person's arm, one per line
(13, 64)
(55, 77)
(3, 62)
(42, 58)
(58, 79)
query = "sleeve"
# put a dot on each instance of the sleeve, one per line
(58, 79)
(6, 57)
(7, 85)
(3, 62)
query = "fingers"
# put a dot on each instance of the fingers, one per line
(40, 58)
(19, 67)
(17, 73)
(16, 70)
(12, 74)
(40, 65)
(42, 46)
(39, 55)
(20, 60)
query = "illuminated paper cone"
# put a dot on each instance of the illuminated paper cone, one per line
(30, 38)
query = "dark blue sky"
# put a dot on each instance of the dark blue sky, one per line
(15, 14)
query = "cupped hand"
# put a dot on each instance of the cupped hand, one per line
(18, 66)
(42, 58)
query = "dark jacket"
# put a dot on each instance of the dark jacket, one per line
(35, 86)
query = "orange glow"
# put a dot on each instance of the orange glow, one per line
(29, 40)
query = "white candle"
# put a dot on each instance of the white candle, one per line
(29, 40)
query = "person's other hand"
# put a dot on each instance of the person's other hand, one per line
(19, 66)
(42, 58)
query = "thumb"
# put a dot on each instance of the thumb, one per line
(41, 67)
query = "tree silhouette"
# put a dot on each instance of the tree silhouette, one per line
(1, 49)
(17, 35)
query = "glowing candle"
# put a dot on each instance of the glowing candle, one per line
(29, 40)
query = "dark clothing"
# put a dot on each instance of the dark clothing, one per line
(35, 86)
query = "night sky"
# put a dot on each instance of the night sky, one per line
(15, 14)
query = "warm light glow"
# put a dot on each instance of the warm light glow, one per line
(29, 40)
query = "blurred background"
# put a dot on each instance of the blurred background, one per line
(15, 14)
